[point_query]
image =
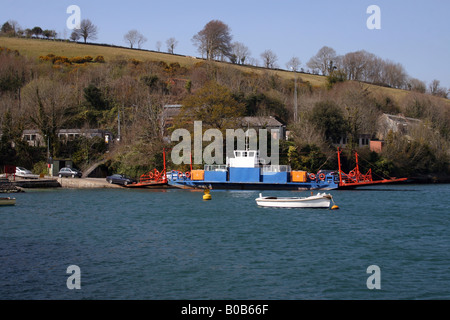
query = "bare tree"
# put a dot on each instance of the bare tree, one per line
(394, 74)
(325, 60)
(269, 58)
(141, 40)
(293, 64)
(365, 66)
(87, 30)
(14, 26)
(436, 90)
(46, 102)
(171, 43)
(214, 40)
(74, 36)
(134, 37)
(417, 85)
(373, 72)
(354, 63)
(131, 37)
(158, 45)
(239, 52)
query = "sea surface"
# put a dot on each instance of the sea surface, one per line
(167, 245)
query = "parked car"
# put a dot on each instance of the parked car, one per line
(69, 172)
(25, 173)
(120, 179)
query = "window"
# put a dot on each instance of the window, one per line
(30, 137)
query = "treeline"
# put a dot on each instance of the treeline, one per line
(127, 97)
(367, 67)
(11, 28)
(214, 42)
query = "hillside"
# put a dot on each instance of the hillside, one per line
(134, 85)
(38, 47)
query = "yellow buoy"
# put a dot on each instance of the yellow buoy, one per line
(335, 207)
(207, 195)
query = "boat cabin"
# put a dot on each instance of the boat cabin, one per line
(244, 159)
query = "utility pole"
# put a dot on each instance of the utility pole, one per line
(295, 95)
(118, 124)
(48, 146)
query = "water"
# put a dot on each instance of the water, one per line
(142, 244)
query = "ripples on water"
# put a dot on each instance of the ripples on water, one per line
(141, 244)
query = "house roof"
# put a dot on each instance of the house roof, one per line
(35, 131)
(266, 121)
(172, 110)
(401, 119)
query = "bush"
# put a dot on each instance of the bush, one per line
(335, 77)
(64, 60)
(40, 168)
(99, 59)
(135, 61)
(80, 60)
(55, 59)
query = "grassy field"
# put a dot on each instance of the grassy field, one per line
(39, 47)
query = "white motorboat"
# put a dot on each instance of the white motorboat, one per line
(7, 201)
(320, 200)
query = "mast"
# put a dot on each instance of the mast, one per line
(339, 164)
(357, 167)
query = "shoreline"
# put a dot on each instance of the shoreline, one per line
(21, 184)
(86, 183)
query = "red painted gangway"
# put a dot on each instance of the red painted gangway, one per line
(152, 179)
(355, 178)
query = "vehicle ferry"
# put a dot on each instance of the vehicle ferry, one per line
(245, 171)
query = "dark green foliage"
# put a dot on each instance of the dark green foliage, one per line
(335, 77)
(257, 104)
(14, 150)
(328, 116)
(7, 27)
(387, 105)
(83, 150)
(308, 157)
(416, 109)
(11, 81)
(94, 108)
(94, 97)
(150, 81)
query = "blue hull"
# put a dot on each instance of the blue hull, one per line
(253, 178)
(226, 185)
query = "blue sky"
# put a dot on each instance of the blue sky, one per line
(413, 33)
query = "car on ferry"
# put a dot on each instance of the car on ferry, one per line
(120, 179)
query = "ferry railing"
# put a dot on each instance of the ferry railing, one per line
(276, 168)
(215, 167)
